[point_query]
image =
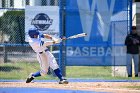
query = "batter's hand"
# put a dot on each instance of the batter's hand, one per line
(64, 38)
(56, 40)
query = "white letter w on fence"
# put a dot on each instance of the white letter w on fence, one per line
(104, 16)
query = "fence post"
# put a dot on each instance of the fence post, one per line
(5, 53)
(62, 31)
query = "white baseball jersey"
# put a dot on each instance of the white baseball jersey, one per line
(44, 56)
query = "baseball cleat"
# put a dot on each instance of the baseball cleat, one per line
(64, 81)
(30, 78)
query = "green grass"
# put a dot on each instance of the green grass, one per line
(88, 72)
(21, 70)
(93, 72)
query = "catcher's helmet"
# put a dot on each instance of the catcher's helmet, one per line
(33, 32)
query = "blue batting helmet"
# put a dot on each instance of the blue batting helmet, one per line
(33, 32)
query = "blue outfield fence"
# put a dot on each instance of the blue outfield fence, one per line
(106, 24)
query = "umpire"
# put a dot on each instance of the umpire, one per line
(132, 43)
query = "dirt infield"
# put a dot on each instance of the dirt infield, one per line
(115, 87)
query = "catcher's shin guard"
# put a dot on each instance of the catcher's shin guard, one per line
(29, 79)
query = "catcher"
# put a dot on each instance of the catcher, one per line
(44, 56)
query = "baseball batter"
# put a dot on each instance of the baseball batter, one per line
(44, 56)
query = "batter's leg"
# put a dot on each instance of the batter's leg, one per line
(53, 64)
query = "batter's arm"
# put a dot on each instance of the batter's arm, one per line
(54, 40)
(47, 36)
(49, 43)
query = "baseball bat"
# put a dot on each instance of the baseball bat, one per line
(75, 36)
(58, 40)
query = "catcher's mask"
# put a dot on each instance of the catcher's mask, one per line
(33, 32)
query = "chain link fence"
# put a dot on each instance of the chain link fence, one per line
(12, 23)
(23, 3)
(16, 55)
(13, 48)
